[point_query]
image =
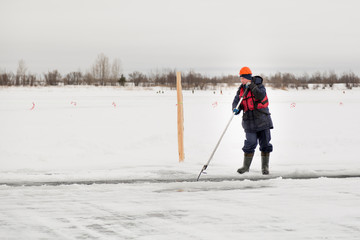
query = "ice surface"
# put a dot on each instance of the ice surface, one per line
(96, 141)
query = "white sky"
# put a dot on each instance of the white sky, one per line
(211, 37)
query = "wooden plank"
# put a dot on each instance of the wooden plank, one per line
(180, 117)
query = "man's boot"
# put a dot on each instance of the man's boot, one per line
(247, 162)
(265, 156)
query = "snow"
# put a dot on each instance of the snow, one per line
(56, 158)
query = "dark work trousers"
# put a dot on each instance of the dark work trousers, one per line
(251, 141)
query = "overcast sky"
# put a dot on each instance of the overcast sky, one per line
(211, 37)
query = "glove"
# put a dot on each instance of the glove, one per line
(236, 111)
(250, 86)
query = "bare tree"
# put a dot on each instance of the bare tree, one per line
(171, 78)
(52, 78)
(7, 79)
(316, 78)
(350, 80)
(21, 73)
(116, 71)
(73, 78)
(159, 78)
(331, 78)
(31, 79)
(137, 78)
(101, 69)
(88, 78)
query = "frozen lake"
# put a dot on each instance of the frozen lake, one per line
(54, 139)
(273, 209)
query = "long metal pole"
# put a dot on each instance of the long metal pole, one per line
(222, 135)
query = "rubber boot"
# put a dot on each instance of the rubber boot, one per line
(265, 156)
(247, 162)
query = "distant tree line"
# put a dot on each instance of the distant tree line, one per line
(317, 80)
(189, 80)
(104, 73)
(101, 73)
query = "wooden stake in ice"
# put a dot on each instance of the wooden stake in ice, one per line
(180, 117)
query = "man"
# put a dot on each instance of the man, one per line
(256, 119)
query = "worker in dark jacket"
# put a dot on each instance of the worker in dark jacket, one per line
(256, 119)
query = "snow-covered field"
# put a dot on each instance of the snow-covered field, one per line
(59, 146)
